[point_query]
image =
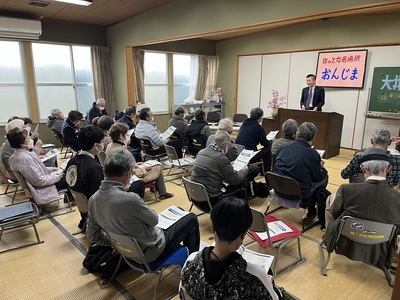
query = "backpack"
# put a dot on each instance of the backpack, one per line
(260, 189)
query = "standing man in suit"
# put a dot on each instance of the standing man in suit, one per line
(312, 96)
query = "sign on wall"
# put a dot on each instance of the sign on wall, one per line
(385, 90)
(345, 69)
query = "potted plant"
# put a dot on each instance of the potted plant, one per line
(276, 102)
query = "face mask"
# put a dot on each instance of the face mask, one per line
(152, 120)
(28, 129)
(30, 144)
(101, 108)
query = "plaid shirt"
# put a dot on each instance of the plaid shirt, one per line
(393, 176)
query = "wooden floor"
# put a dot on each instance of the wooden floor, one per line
(53, 270)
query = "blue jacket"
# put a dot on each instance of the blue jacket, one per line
(251, 134)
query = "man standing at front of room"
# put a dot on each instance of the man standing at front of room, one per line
(312, 96)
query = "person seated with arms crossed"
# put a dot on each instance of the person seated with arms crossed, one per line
(220, 272)
(212, 168)
(98, 109)
(55, 120)
(303, 163)
(146, 129)
(42, 181)
(71, 130)
(146, 174)
(84, 173)
(289, 129)
(112, 209)
(381, 140)
(373, 200)
(251, 133)
(179, 123)
(197, 129)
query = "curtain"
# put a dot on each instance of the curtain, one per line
(207, 76)
(138, 73)
(102, 76)
(194, 71)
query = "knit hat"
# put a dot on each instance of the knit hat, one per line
(372, 153)
(16, 123)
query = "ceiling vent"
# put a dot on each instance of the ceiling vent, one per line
(20, 28)
(39, 3)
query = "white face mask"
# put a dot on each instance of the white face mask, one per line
(101, 108)
(30, 144)
(27, 128)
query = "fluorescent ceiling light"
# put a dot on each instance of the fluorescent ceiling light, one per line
(78, 2)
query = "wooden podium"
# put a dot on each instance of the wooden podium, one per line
(329, 125)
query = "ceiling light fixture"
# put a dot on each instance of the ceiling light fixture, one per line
(77, 2)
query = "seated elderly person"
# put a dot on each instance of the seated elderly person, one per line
(55, 120)
(289, 129)
(105, 123)
(43, 183)
(303, 163)
(372, 199)
(146, 129)
(112, 209)
(179, 123)
(134, 146)
(220, 272)
(212, 168)
(147, 174)
(381, 140)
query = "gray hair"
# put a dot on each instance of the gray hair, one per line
(381, 137)
(256, 113)
(375, 167)
(289, 127)
(100, 100)
(221, 137)
(118, 162)
(307, 131)
(54, 112)
(225, 124)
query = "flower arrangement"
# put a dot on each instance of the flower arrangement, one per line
(276, 101)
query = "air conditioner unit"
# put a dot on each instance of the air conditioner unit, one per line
(20, 28)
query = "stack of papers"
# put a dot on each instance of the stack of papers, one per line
(50, 154)
(243, 159)
(187, 161)
(169, 216)
(165, 135)
(275, 228)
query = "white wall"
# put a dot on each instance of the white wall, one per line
(286, 73)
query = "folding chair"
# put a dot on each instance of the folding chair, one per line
(180, 163)
(355, 231)
(196, 143)
(7, 180)
(17, 216)
(148, 150)
(239, 118)
(288, 192)
(131, 252)
(213, 117)
(25, 187)
(260, 224)
(197, 195)
(60, 138)
(82, 203)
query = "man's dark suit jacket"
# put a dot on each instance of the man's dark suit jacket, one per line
(318, 97)
(372, 200)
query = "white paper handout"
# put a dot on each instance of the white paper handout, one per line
(130, 132)
(320, 152)
(150, 163)
(36, 129)
(272, 134)
(243, 159)
(275, 228)
(50, 154)
(169, 216)
(256, 258)
(168, 132)
(62, 168)
(134, 178)
(394, 152)
(187, 161)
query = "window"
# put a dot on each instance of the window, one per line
(156, 91)
(158, 87)
(63, 76)
(13, 96)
